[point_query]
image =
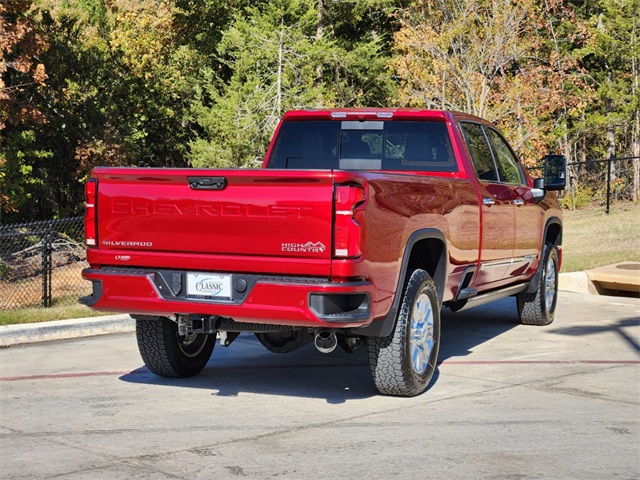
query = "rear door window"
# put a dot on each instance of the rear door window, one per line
(509, 169)
(480, 152)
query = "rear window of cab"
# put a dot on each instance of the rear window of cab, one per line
(367, 145)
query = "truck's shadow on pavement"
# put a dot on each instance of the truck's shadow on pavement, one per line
(463, 331)
(247, 367)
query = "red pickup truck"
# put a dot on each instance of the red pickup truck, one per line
(361, 225)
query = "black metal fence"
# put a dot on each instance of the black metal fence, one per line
(600, 184)
(40, 264)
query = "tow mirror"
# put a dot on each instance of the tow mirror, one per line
(555, 172)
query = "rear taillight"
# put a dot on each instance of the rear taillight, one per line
(347, 232)
(90, 224)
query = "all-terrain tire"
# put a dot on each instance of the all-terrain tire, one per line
(403, 363)
(539, 308)
(167, 353)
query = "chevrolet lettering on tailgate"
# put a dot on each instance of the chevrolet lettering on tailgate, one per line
(212, 209)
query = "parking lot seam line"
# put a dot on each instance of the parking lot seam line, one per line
(132, 462)
(55, 376)
(67, 375)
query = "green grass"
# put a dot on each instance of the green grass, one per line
(39, 314)
(593, 239)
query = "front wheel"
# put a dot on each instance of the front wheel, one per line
(167, 353)
(539, 307)
(403, 363)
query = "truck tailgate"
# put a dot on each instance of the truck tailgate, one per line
(271, 213)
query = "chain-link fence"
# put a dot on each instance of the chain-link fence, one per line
(40, 264)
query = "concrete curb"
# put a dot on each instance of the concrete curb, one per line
(64, 329)
(577, 282)
(608, 280)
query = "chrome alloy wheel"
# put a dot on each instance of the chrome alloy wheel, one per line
(421, 340)
(550, 288)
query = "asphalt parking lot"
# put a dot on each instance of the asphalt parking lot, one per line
(508, 402)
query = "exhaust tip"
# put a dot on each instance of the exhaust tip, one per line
(325, 341)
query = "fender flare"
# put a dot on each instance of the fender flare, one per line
(384, 326)
(551, 221)
(535, 280)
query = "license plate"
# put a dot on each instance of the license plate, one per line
(209, 286)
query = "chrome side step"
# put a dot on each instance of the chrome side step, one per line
(474, 301)
(464, 291)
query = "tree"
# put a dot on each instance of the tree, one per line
(284, 55)
(499, 59)
(268, 54)
(613, 63)
(22, 76)
(118, 91)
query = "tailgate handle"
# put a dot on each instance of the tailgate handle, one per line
(207, 183)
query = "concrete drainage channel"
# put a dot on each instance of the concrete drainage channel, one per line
(621, 279)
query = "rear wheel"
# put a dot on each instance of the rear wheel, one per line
(403, 363)
(538, 308)
(167, 353)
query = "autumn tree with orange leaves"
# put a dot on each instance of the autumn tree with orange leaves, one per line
(20, 74)
(507, 61)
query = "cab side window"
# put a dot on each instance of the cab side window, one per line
(480, 151)
(508, 167)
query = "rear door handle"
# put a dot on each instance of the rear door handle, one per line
(488, 201)
(207, 183)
